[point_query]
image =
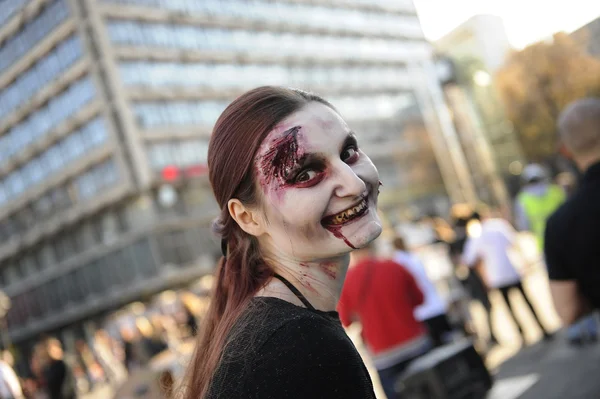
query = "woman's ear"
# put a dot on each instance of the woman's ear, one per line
(247, 218)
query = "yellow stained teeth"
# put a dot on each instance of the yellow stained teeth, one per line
(347, 214)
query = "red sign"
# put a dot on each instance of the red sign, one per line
(172, 173)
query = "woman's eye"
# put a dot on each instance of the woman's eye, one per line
(305, 176)
(349, 155)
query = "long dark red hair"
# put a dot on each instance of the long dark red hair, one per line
(236, 137)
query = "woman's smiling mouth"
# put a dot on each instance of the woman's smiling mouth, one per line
(348, 215)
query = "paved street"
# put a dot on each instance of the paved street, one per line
(560, 371)
(506, 387)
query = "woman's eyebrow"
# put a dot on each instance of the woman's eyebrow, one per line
(349, 140)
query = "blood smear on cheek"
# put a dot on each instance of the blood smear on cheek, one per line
(337, 232)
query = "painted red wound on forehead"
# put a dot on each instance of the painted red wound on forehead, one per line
(282, 157)
(336, 230)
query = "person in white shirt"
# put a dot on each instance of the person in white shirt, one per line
(488, 252)
(432, 312)
(10, 387)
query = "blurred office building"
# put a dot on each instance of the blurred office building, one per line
(477, 49)
(588, 36)
(106, 107)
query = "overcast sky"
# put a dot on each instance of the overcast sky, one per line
(526, 21)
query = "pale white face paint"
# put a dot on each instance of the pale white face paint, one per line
(309, 169)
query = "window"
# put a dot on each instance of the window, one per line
(64, 247)
(10, 8)
(94, 133)
(33, 303)
(142, 256)
(183, 153)
(14, 184)
(81, 284)
(33, 31)
(94, 276)
(174, 248)
(110, 228)
(42, 207)
(60, 198)
(12, 274)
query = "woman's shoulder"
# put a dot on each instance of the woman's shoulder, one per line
(268, 335)
(268, 316)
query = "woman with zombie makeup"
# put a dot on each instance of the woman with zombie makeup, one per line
(296, 195)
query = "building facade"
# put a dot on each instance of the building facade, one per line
(106, 108)
(478, 48)
(589, 37)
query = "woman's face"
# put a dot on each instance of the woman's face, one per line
(318, 189)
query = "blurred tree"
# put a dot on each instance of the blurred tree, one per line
(537, 82)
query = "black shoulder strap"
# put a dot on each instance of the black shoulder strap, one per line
(295, 291)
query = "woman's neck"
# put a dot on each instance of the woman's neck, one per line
(319, 281)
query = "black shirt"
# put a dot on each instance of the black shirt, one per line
(280, 350)
(572, 241)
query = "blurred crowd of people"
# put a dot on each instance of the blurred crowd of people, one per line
(105, 359)
(401, 308)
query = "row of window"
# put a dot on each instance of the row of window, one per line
(94, 279)
(184, 153)
(264, 42)
(102, 229)
(154, 114)
(112, 272)
(194, 5)
(33, 31)
(40, 123)
(39, 75)
(395, 5)
(56, 158)
(96, 179)
(10, 8)
(179, 113)
(371, 107)
(314, 16)
(57, 200)
(247, 76)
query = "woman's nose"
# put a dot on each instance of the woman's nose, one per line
(348, 183)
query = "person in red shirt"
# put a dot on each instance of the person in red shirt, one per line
(382, 295)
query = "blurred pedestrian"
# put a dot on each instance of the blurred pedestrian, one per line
(137, 348)
(383, 296)
(432, 312)
(538, 199)
(573, 232)
(487, 251)
(58, 376)
(113, 368)
(462, 215)
(10, 387)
